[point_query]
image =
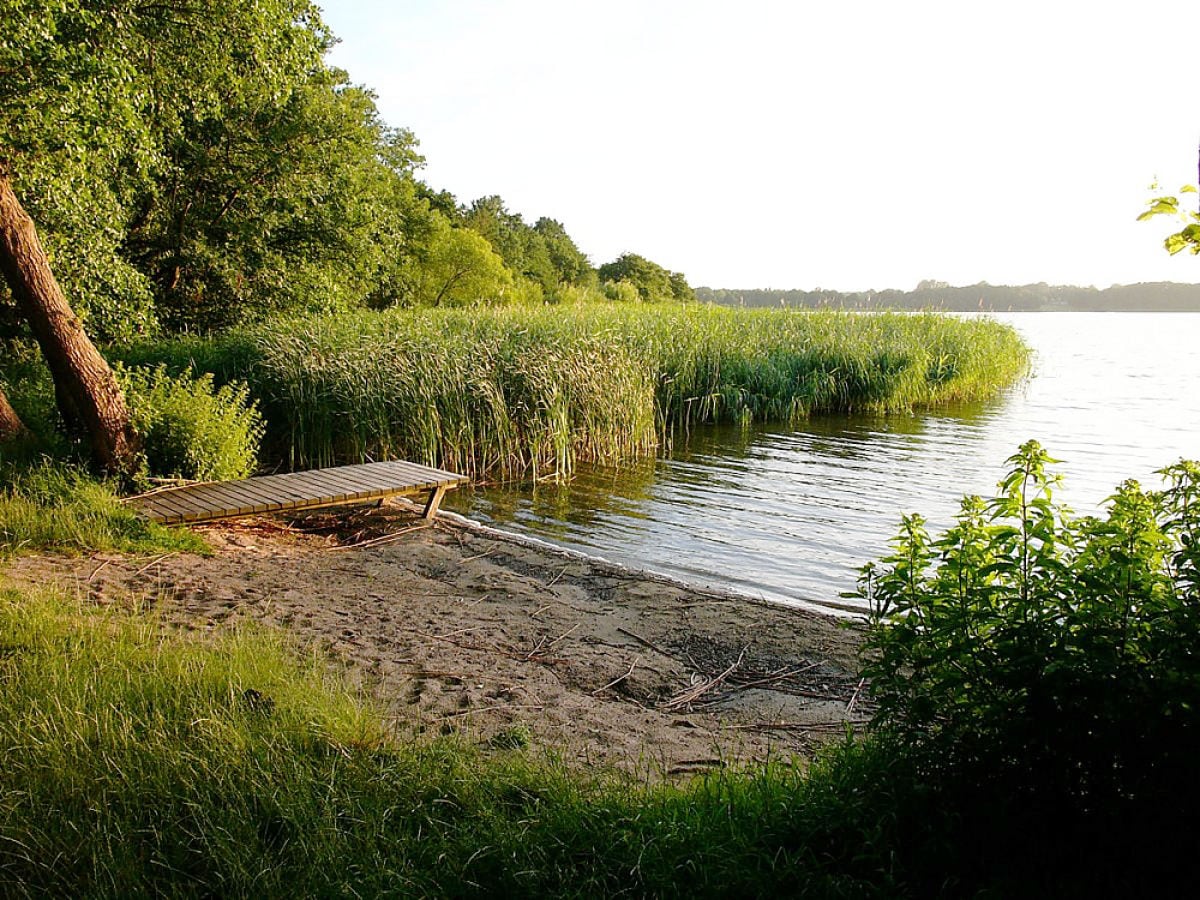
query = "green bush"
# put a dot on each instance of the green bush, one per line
(190, 428)
(1042, 669)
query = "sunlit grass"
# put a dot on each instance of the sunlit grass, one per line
(55, 506)
(138, 761)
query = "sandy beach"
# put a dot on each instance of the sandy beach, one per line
(456, 628)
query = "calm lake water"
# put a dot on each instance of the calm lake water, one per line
(791, 515)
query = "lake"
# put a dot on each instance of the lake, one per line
(792, 514)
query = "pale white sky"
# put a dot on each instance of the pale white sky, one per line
(846, 144)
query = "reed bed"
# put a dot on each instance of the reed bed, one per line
(519, 391)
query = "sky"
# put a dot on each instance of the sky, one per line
(841, 144)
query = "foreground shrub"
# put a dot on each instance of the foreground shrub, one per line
(190, 428)
(1042, 672)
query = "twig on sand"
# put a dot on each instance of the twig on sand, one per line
(644, 642)
(774, 677)
(382, 539)
(854, 696)
(450, 634)
(688, 766)
(558, 577)
(618, 680)
(542, 646)
(153, 562)
(96, 571)
(692, 694)
(467, 559)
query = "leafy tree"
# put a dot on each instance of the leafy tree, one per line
(72, 141)
(87, 391)
(521, 248)
(272, 204)
(543, 254)
(455, 267)
(571, 265)
(92, 96)
(653, 282)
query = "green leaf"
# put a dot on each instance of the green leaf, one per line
(1161, 206)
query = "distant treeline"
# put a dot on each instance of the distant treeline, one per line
(1157, 296)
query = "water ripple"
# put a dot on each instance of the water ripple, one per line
(792, 515)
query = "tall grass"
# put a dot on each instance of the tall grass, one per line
(139, 762)
(514, 391)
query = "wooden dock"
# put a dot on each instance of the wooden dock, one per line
(296, 490)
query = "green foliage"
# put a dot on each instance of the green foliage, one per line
(543, 255)
(189, 427)
(139, 761)
(652, 281)
(49, 506)
(1188, 237)
(1042, 668)
(454, 267)
(199, 165)
(571, 266)
(497, 391)
(622, 292)
(27, 383)
(517, 391)
(276, 203)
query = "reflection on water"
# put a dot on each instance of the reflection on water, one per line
(792, 515)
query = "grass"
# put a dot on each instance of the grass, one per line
(138, 761)
(511, 392)
(54, 506)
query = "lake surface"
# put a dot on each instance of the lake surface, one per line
(792, 514)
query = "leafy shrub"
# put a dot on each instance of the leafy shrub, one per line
(1042, 669)
(191, 428)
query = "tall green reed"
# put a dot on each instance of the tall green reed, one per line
(510, 392)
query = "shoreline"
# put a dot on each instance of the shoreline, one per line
(834, 611)
(457, 627)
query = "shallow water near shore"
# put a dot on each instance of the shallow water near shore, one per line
(791, 515)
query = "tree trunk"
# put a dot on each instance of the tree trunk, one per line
(82, 379)
(11, 426)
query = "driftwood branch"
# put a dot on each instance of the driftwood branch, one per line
(618, 680)
(691, 695)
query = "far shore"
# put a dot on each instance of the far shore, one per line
(457, 628)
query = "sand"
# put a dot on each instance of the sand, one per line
(456, 628)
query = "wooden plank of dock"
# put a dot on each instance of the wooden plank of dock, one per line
(297, 490)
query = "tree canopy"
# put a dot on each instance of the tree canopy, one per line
(651, 281)
(191, 165)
